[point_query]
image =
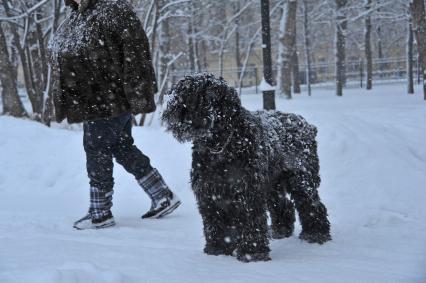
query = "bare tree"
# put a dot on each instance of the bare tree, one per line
(295, 71)
(12, 104)
(307, 44)
(379, 36)
(286, 47)
(419, 26)
(48, 113)
(238, 63)
(191, 37)
(209, 35)
(341, 27)
(25, 20)
(367, 45)
(410, 56)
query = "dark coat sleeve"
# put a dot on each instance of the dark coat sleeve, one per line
(139, 80)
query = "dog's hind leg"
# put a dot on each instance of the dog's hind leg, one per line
(281, 210)
(312, 212)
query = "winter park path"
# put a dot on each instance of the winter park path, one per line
(373, 162)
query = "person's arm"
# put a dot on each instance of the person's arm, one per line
(139, 80)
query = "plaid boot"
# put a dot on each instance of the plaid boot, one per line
(163, 200)
(99, 215)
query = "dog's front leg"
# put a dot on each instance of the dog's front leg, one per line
(217, 221)
(252, 223)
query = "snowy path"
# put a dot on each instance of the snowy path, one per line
(373, 162)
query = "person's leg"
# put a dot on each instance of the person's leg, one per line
(127, 154)
(138, 164)
(98, 142)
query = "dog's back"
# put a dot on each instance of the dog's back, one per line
(290, 136)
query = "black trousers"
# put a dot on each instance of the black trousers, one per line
(104, 140)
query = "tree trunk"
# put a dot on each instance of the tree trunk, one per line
(48, 111)
(295, 61)
(295, 72)
(191, 48)
(195, 38)
(287, 44)
(341, 26)
(268, 95)
(36, 70)
(205, 49)
(368, 51)
(417, 8)
(43, 54)
(307, 46)
(12, 104)
(34, 96)
(197, 55)
(164, 48)
(410, 56)
(154, 30)
(221, 52)
(379, 41)
(237, 40)
(157, 6)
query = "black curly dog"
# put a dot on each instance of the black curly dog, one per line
(244, 164)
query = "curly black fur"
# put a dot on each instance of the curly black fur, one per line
(245, 164)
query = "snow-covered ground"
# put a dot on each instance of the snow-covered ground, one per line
(373, 164)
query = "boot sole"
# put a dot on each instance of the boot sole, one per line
(169, 210)
(96, 226)
(164, 212)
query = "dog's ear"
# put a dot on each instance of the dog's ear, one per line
(229, 96)
(227, 103)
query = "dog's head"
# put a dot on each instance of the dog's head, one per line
(200, 105)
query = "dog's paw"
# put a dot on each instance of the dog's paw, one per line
(318, 238)
(254, 257)
(217, 251)
(284, 232)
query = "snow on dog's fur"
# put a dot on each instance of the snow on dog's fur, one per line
(245, 164)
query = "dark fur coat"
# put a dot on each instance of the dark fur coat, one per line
(101, 61)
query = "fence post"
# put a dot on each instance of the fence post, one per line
(361, 72)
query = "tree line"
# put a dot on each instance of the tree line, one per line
(198, 35)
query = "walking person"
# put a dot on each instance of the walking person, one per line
(103, 73)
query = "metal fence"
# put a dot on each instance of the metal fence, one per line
(322, 74)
